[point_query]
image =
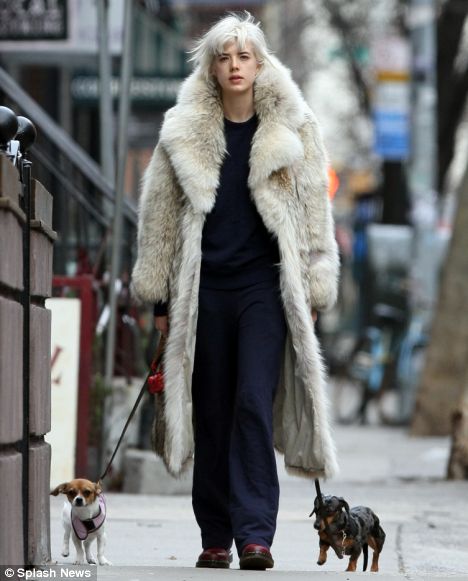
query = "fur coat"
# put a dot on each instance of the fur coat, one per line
(288, 184)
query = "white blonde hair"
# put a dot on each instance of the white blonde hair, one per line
(240, 28)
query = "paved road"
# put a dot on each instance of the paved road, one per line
(401, 478)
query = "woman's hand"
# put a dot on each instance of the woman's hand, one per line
(162, 324)
(314, 315)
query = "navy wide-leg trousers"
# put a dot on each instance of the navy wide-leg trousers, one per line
(239, 346)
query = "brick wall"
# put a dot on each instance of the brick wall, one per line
(12, 454)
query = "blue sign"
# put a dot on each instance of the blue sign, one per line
(392, 134)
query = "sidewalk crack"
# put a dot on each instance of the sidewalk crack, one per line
(399, 549)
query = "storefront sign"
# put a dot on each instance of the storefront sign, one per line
(57, 26)
(146, 90)
(65, 354)
(219, 3)
(33, 20)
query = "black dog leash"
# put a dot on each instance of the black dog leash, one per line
(319, 493)
(155, 363)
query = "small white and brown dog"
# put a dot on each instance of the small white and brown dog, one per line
(83, 518)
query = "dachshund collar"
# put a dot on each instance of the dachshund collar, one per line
(83, 528)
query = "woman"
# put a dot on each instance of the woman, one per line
(236, 242)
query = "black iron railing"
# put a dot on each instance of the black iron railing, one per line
(78, 185)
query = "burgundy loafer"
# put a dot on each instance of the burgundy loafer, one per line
(256, 557)
(214, 558)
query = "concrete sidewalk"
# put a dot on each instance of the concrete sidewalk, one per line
(400, 478)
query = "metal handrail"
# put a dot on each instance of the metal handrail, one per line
(44, 160)
(60, 139)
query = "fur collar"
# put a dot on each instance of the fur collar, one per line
(193, 131)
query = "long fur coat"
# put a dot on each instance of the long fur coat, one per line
(288, 184)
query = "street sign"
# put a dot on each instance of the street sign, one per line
(392, 119)
(392, 140)
(392, 98)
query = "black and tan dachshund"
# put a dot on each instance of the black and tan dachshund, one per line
(347, 531)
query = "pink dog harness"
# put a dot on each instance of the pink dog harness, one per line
(82, 528)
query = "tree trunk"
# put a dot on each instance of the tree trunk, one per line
(452, 81)
(447, 354)
(458, 461)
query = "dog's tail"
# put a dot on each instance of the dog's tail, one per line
(365, 552)
(379, 535)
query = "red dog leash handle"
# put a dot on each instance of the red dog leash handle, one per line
(156, 379)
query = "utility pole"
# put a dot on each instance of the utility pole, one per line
(105, 97)
(124, 107)
(423, 162)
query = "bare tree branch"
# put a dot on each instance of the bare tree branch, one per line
(345, 31)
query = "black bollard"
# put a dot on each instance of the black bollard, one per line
(26, 134)
(8, 127)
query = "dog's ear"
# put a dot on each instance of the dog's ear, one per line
(344, 504)
(98, 487)
(61, 488)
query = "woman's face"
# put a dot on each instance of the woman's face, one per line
(236, 69)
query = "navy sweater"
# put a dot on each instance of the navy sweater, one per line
(237, 249)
